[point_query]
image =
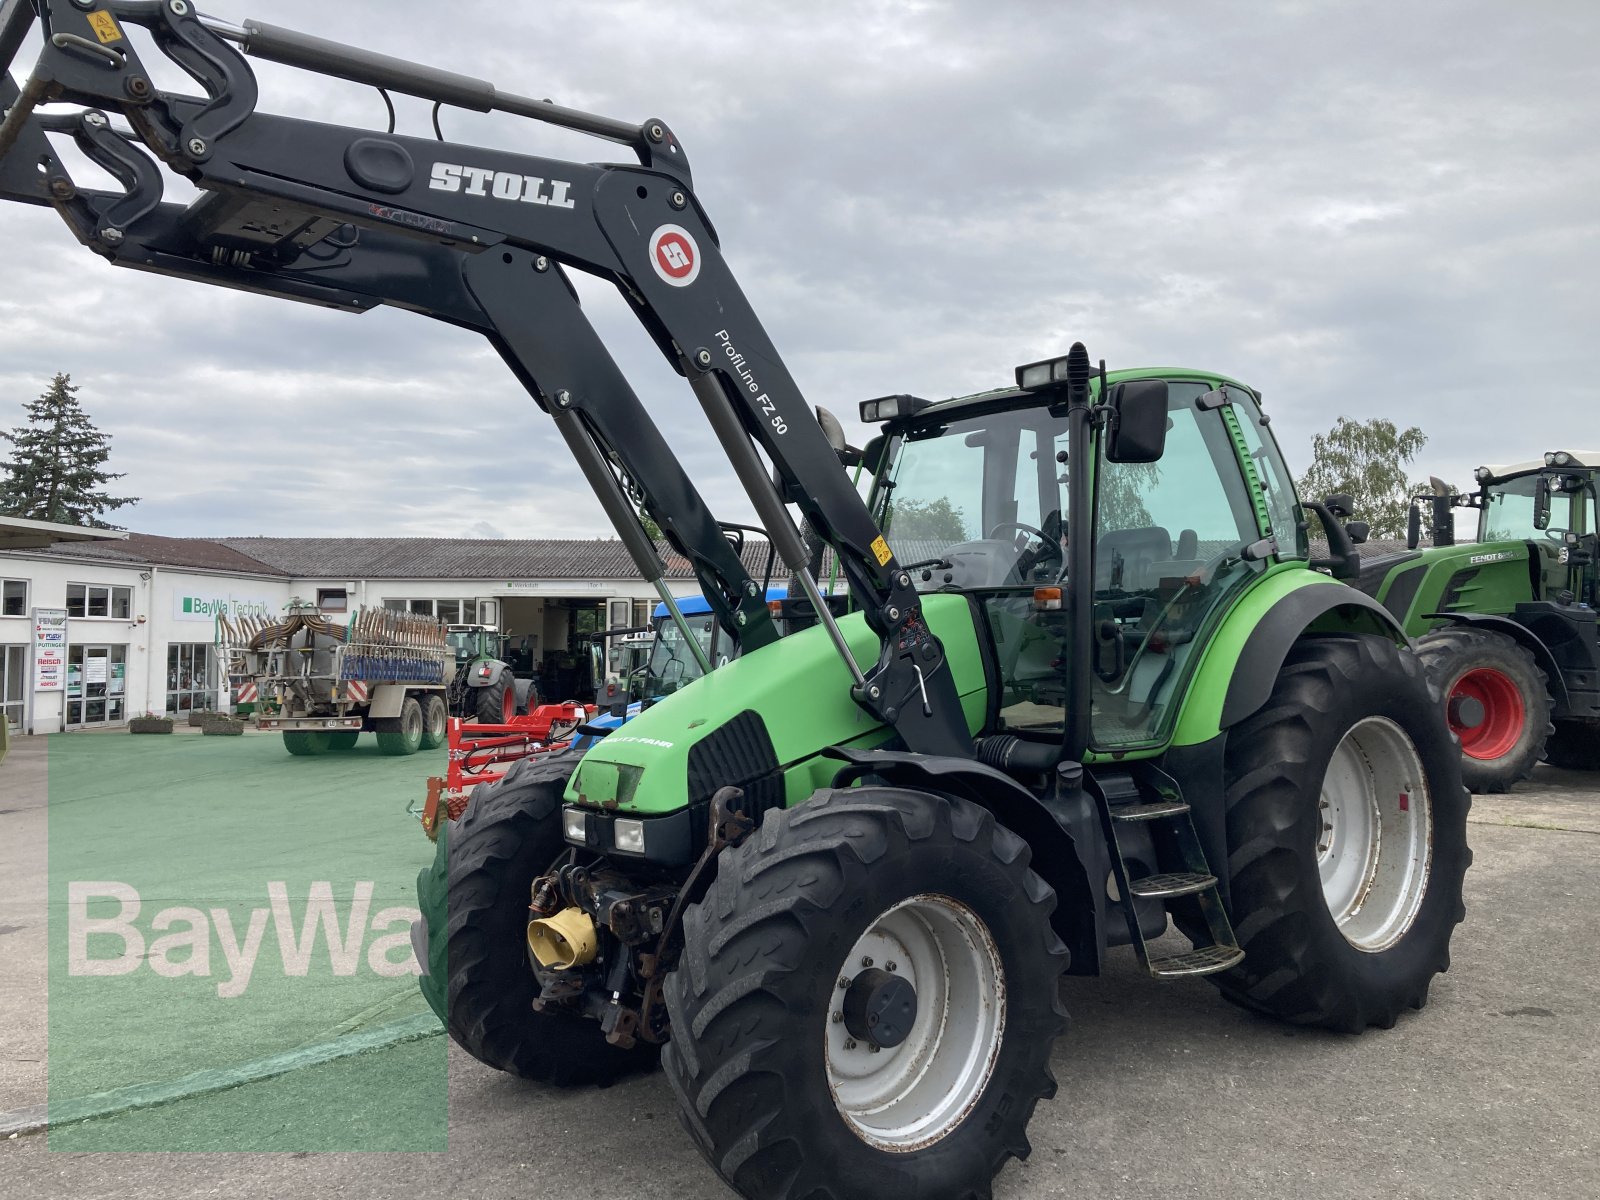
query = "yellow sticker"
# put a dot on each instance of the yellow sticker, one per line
(105, 27)
(881, 549)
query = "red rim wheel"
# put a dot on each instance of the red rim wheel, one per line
(1497, 697)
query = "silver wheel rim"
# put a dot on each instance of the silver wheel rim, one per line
(907, 1097)
(433, 716)
(1375, 842)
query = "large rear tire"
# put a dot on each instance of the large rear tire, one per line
(1347, 838)
(497, 703)
(403, 735)
(435, 721)
(837, 910)
(305, 743)
(1497, 702)
(474, 902)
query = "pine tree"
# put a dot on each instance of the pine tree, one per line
(56, 472)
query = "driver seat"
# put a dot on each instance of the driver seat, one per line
(1125, 558)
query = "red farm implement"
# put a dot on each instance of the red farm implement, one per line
(482, 753)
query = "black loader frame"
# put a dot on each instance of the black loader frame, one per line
(481, 239)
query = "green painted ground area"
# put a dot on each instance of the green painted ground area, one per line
(169, 857)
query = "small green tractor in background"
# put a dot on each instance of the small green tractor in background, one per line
(484, 685)
(1507, 623)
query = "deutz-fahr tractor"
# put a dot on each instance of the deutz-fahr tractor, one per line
(1093, 687)
(1506, 623)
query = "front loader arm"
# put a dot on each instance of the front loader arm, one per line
(277, 189)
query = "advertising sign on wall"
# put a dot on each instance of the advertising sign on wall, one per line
(49, 649)
(207, 607)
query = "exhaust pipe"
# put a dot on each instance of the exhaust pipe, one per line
(563, 941)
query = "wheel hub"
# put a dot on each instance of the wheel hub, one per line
(1466, 712)
(880, 1008)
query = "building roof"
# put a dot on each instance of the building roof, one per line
(20, 533)
(462, 558)
(153, 550)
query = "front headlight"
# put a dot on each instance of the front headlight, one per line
(575, 825)
(628, 836)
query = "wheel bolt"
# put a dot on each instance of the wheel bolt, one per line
(873, 1047)
(850, 1044)
(866, 960)
(837, 1017)
(891, 965)
(844, 981)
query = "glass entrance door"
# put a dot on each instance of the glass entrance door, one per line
(96, 685)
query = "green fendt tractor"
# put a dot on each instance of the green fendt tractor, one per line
(1092, 686)
(1506, 624)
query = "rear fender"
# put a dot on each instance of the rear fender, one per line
(1519, 634)
(475, 679)
(1246, 654)
(1078, 917)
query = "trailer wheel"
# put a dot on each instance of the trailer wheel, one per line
(1497, 701)
(474, 926)
(404, 734)
(304, 743)
(497, 703)
(435, 720)
(1344, 907)
(866, 1001)
(1575, 746)
(343, 740)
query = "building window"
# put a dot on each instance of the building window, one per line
(13, 597)
(189, 672)
(13, 681)
(332, 600)
(450, 611)
(99, 600)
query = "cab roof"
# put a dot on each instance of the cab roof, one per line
(1575, 458)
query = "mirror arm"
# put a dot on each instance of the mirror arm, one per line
(1342, 562)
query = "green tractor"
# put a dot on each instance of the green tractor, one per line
(850, 951)
(484, 685)
(1507, 624)
(1093, 686)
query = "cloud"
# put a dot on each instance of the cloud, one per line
(1362, 209)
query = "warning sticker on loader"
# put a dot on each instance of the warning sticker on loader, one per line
(880, 550)
(105, 27)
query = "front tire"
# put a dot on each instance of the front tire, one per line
(771, 1059)
(1497, 702)
(474, 902)
(1347, 838)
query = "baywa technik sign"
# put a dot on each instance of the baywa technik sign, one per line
(191, 606)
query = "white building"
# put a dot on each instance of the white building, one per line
(140, 611)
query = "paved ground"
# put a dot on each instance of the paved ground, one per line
(1166, 1090)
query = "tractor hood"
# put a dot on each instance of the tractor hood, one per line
(762, 714)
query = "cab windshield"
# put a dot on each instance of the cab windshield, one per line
(980, 502)
(1508, 508)
(465, 643)
(672, 663)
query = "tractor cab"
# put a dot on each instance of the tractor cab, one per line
(974, 497)
(473, 642)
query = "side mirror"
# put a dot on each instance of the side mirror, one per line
(872, 455)
(1358, 531)
(1139, 433)
(1413, 525)
(832, 430)
(1541, 503)
(1339, 505)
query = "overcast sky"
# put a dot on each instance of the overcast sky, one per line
(1361, 209)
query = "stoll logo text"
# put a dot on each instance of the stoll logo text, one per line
(186, 936)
